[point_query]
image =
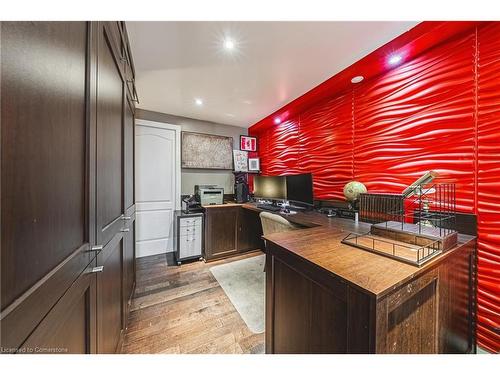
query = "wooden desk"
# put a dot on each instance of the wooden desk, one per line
(231, 230)
(323, 296)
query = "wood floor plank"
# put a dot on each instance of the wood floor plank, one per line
(183, 309)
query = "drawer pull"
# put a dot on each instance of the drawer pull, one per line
(97, 269)
(94, 248)
(126, 218)
(125, 230)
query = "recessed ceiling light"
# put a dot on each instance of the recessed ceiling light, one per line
(228, 44)
(198, 101)
(394, 59)
(277, 120)
(357, 79)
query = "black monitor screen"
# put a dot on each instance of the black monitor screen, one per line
(299, 188)
(269, 187)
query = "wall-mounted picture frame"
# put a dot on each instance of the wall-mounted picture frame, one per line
(240, 161)
(206, 151)
(248, 143)
(253, 164)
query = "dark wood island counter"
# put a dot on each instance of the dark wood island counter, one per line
(323, 296)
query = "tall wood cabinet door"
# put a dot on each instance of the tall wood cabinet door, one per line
(45, 160)
(129, 151)
(110, 99)
(70, 326)
(221, 225)
(128, 267)
(110, 296)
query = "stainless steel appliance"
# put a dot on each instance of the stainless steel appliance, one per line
(209, 194)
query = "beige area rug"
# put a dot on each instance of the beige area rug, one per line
(243, 281)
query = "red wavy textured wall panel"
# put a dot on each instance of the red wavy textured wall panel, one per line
(326, 151)
(439, 110)
(488, 180)
(419, 117)
(282, 149)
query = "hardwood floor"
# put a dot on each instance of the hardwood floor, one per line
(184, 310)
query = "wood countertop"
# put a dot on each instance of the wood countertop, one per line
(225, 204)
(320, 245)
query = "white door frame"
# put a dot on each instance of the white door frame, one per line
(177, 129)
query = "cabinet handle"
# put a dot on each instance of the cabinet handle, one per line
(94, 248)
(125, 230)
(126, 218)
(97, 269)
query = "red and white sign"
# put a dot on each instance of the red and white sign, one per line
(248, 143)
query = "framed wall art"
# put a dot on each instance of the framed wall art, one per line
(206, 151)
(240, 161)
(248, 143)
(254, 165)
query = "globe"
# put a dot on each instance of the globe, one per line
(353, 189)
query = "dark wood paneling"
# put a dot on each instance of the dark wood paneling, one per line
(328, 323)
(291, 307)
(110, 101)
(63, 136)
(109, 296)
(70, 326)
(128, 267)
(456, 325)
(231, 229)
(20, 318)
(360, 313)
(43, 149)
(129, 151)
(249, 231)
(221, 225)
(319, 319)
(269, 303)
(411, 326)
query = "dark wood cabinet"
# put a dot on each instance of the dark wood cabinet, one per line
(36, 206)
(109, 296)
(129, 152)
(128, 267)
(67, 178)
(110, 110)
(311, 309)
(230, 230)
(249, 230)
(221, 227)
(70, 327)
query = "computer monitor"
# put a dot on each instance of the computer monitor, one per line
(269, 187)
(299, 188)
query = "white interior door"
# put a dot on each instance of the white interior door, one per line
(157, 183)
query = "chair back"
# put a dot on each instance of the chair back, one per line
(272, 223)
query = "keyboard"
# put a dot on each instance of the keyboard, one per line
(268, 207)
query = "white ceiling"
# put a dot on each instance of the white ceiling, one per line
(271, 64)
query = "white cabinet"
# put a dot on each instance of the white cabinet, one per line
(188, 236)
